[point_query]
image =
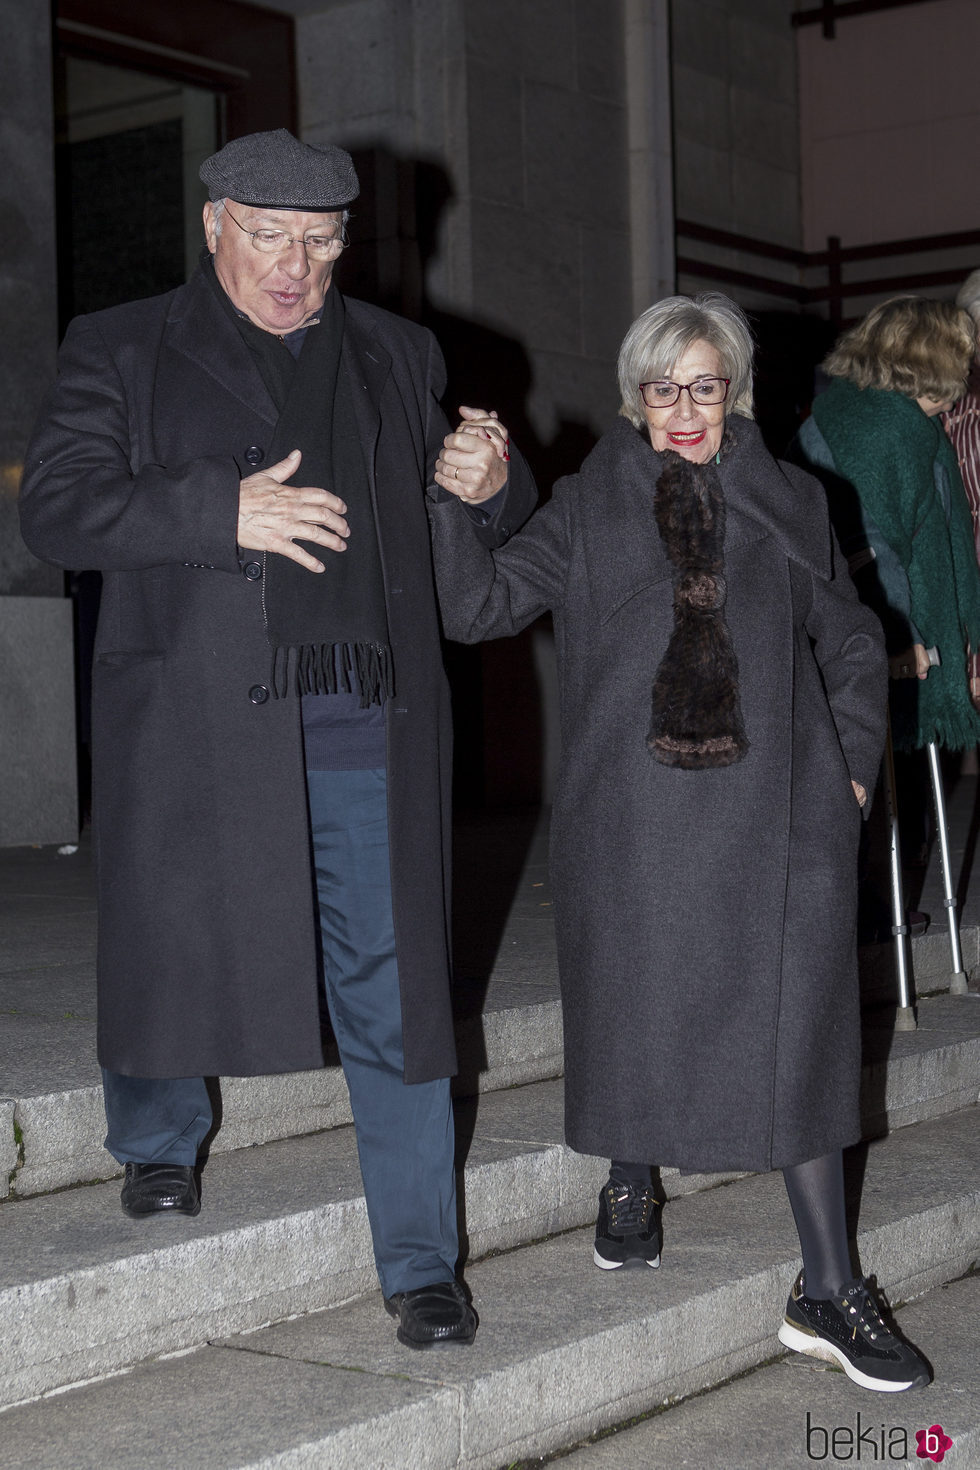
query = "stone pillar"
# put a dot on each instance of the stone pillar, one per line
(646, 27)
(38, 802)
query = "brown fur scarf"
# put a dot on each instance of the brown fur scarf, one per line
(697, 721)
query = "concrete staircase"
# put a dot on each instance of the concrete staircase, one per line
(254, 1335)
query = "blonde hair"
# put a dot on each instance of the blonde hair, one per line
(664, 332)
(909, 345)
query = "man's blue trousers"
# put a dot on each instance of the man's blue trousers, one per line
(404, 1132)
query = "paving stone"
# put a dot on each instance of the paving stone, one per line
(59, 992)
(221, 1409)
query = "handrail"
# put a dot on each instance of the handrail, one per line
(832, 260)
(830, 11)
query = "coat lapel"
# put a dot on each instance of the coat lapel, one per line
(198, 329)
(767, 501)
(368, 365)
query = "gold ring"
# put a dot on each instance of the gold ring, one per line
(456, 473)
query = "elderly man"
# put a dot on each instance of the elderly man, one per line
(246, 460)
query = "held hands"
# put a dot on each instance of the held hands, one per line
(912, 664)
(860, 794)
(271, 513)
(473, 462)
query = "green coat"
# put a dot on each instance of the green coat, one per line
(899, 470)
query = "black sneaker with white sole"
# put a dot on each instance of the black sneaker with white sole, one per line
(848, 1330)
(627, 1232)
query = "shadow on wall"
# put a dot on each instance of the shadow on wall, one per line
(502, 725)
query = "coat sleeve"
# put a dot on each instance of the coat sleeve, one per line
(487, 593)
(514, 502)
(849, 647)
(89, 501)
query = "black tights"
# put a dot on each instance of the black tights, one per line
(816, 1195)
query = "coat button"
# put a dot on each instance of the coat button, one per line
(258, 694)
(252, 570)
(254, 454)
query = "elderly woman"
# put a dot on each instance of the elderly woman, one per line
(876, 439)
(723, 711)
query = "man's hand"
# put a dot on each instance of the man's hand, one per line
(473, 463)
(271, 513)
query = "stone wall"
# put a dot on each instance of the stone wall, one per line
(37, 746)
(736, 131)
(525, 109)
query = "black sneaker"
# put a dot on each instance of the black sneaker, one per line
(627, 1232)
(848, 1330)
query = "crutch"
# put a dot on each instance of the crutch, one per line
(905, 1015)
(958, 980)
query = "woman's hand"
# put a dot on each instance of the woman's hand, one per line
(912, 664)
(473, 462)
(487, 426)
(860, 794)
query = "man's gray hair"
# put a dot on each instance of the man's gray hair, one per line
(968, 296)
(664, 332)
(218, 209)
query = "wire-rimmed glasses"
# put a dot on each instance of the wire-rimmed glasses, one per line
(274, 242)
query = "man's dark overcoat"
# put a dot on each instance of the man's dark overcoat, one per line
(706, 918)
(207, 930)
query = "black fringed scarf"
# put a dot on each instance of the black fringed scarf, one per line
(328, 630)
(697, 721)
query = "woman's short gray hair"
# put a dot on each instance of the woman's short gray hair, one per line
(664, 332)
(968, 296)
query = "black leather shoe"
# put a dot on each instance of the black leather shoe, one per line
(151, 1189)
(431, 1315)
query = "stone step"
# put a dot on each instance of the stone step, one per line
(797, 1412)
(75, 1248)
(59, 1129)
(283, 1229)
(515, 1039)
(563, 1350)
(508, 1016)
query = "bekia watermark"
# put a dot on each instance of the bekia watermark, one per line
(873, 1443)
(933, 1443)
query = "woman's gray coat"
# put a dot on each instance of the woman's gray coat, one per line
(706, 919)
(207, 937)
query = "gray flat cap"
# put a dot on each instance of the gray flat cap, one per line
(276, 171)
